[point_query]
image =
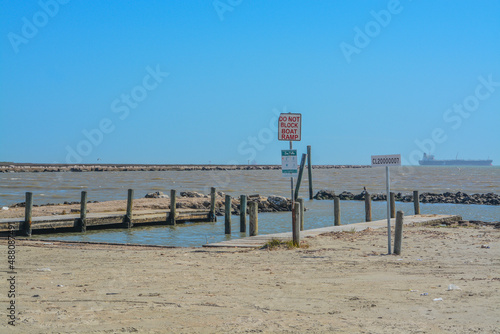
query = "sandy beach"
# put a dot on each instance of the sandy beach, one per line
(447, 280)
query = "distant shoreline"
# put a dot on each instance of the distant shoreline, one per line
(38, 168)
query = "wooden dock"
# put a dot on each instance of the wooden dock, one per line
(105, 220)
(260, 240)
(124, 219)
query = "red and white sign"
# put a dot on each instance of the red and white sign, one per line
(289, 126)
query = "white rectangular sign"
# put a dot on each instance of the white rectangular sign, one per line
(289, 163)
(386, 160)
(289, 127)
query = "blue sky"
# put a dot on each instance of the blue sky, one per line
(187, 82)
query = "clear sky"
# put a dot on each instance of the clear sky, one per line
(187, 82)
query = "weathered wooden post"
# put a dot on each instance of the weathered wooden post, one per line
(302, 208)
(299, 177)
(243, 213)
(130, 204)
(253, 210)
(83, 213)
(227, 215)
(336, 210)
(393, 205)
(309, 171)
(28, 214)
(399, 233)
(212, 216)
(416, 202)
(296, 225)
(173, 208)
(368, 207)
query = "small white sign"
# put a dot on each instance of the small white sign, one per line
(386, 160)
(289, 127)
(289, 163)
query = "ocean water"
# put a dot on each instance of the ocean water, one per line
(102, 186)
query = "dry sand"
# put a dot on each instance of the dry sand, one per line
(341, 283)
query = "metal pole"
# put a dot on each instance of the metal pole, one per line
(388, 188)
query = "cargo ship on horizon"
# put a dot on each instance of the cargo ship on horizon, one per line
(428, 160)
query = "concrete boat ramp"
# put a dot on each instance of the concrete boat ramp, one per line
(260, 240)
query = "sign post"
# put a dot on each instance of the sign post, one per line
(289, 129)
(289, 165)
(387, 161)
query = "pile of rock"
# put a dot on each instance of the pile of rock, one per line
(325, 194)
(461, 198)
(192, 194)
(345, 195)
(157, 194)
(265, 204)
(195, 200)
(447, 197)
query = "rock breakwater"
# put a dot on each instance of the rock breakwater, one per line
(265, 204)
(40, 168)
(447, 197)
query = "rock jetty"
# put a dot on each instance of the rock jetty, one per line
(447, 197)
(40, 168)
(265, 204)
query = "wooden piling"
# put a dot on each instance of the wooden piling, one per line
(399, 233)
(130, 204)
(309, 171)
(302, 209)
(243, 213)
(212, 216)
(296, 225)
(336, 210)
(173, 208)
(253, 210)
(227, 215)
(393, 205)
(28, 214)
(299, 177)
(416, 202)
(83, 213)
(368, 207)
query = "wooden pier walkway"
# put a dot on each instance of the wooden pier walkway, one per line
(261, 240)
(105, 219)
